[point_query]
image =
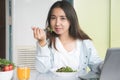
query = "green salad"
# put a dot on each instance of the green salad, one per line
(6, 65)
(65, 69)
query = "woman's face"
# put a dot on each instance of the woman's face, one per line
(59, 22)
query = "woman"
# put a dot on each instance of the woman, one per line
(63, 43)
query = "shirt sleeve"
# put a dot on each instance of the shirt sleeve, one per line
(43, 58)
(94, 61)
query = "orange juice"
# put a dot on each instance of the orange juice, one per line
(23, 72)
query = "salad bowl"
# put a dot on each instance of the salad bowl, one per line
(6, 69)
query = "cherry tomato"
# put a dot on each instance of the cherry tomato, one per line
(6, 68)
(10, 67)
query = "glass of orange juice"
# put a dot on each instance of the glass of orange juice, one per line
(23, 72)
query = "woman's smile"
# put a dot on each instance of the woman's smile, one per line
(58, 30)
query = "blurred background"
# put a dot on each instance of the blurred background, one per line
(98, 18)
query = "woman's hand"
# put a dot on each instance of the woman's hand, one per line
(40, 35)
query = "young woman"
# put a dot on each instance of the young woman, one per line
(63, 43)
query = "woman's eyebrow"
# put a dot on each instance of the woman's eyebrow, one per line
(62, 16)
(59, 16)
(52, 15)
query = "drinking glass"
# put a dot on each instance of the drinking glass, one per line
(23, 72)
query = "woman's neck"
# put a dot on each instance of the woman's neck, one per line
(68, 43)
(66, 38)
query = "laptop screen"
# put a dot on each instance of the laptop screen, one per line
(111, 66)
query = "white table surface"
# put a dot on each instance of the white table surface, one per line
(34, 75)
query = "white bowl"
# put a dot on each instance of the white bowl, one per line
(65, 74)
(6, 75)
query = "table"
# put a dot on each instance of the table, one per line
(35, 75)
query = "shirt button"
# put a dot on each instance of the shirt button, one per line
(84, 62)
(83, 68)
(86, 56)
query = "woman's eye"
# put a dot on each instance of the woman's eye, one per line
(53, 18)
(63, 18)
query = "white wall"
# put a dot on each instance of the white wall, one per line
(25, 14)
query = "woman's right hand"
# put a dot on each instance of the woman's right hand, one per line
(40, 35)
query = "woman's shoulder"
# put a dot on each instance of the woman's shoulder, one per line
(87, 42)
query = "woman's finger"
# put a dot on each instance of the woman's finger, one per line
(34, 32)
(39, 34)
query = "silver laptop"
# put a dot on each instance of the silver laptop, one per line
(111, 66)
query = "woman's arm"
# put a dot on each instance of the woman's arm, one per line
(43, 59)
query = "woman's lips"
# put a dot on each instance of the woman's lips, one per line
(57, 29)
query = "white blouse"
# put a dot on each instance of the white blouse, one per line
(84, 55)
(64, 58)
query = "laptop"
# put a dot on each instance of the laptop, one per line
(110, 69)
(111, 66)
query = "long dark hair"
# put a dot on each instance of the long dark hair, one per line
(75, 31)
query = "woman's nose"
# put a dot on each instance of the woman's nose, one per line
(57, 21)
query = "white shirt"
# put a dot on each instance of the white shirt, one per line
(82, 56)
(64, 58)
